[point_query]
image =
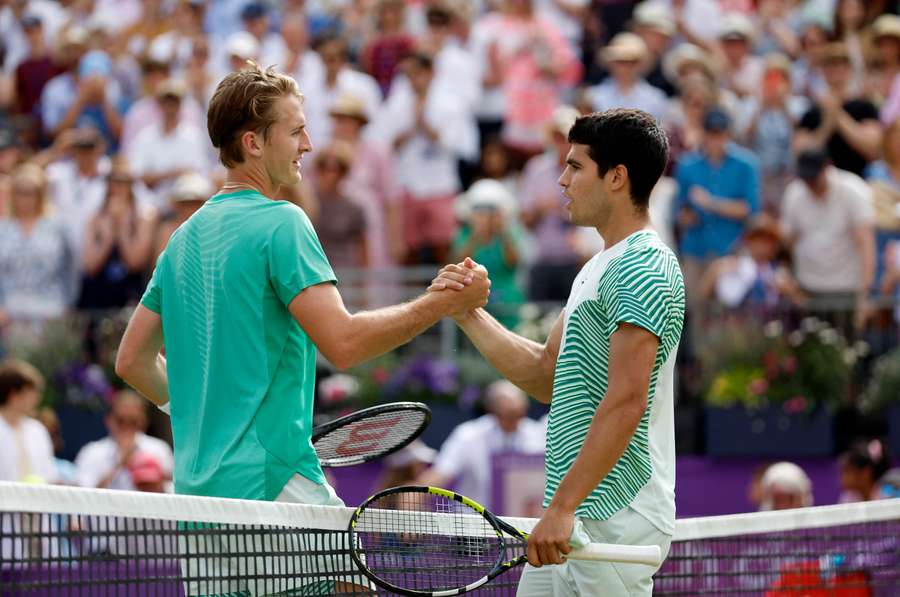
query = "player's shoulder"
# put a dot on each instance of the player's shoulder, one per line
(648, 255)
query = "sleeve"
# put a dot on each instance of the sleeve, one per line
(89, 468)
(152, 298)
(44, 462)
(454, 453)
(861, 211)
(811, 119)
(296, 258)
(641, 295)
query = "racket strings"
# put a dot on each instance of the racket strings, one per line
(426, 542)
(369, 437)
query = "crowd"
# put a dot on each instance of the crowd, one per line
(439, 131)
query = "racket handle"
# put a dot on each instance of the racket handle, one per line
(609, 552)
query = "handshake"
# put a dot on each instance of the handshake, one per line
(462, 287)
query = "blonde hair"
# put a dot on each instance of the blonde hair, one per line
(32, 175)
(245, 101)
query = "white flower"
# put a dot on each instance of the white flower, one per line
(829, 336)
(795, 338)
(861, 348)
(529, 312)
(773, 329)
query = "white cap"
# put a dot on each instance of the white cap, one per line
(736, 26)
(788, 477)
(242, 44)
(654, 15)
(417, 451)
(485, 194)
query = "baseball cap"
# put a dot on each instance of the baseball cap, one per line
(242, 44)
(253, 10)
(145, 468)
(716, 119)
(810, 164)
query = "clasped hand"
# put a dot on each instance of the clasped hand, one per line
(468, 282)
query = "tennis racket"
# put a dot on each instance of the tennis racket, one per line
(430, 541)
(369, 433)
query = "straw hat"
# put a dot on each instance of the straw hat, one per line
(624, 47)
(736, 26)
(686, 54)
(654, 15)
(351, 106)
(886, 26)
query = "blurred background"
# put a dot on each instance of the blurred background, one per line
(439, 129)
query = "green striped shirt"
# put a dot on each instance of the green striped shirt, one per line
(636, 281)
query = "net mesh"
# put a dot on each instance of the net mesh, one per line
(78, 542)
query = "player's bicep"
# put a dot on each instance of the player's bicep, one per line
(142, 340)
(320, 311)
(632, 351)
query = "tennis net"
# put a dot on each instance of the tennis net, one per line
(71, 542)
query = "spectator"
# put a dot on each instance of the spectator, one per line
(27, 454)
(33, 73)
(776, 32)
(491, 236)
(240, 47)
(496, 164)
(189, 193)
(342, 225)
(754, 281)
(65, 470)
(767, 127)
(255, 19)
(806, 71)
(373, 181)
(841, 121)
(174, 146)
(119, 239)
(36, 260)
(147, 473)
(861, 468)
(885, 84)
(555, 260)
(528, 65)
(718, 187)
(850, 28)
(697, 94)
(429, 132)
(146, 111)
(883, 177)
(381, 57)
(105, 463)
(466, 454)
(407, 465)
(785, 486)
(90, 97)
(889, 485)
(827, 222)
(76, 174)
(300, 60)
(625, 87)
(11, 154)
(338, 78)
(742, 70)
(177, 45)
(654, 23)
(453, 64)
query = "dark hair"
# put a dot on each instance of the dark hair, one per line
(16, 376)
(870, 454)
(628, 137)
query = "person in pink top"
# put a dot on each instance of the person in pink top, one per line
(531, 62)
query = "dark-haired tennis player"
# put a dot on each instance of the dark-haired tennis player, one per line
(606, 368)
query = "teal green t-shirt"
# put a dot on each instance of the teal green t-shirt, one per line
(241, 370)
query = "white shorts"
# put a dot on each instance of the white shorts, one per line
(607, 579)
(217, 557)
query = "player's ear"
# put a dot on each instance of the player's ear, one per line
(619, 177)
(252, 143)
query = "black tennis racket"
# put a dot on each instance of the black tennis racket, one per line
(369, 433)
(430, 541)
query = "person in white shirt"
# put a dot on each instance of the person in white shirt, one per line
(27, 452)
(162, 152)
(827, 219)
(430, 131)
(106, 462)
(625, 87)
(466, 454)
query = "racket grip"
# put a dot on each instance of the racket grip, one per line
(609, 552)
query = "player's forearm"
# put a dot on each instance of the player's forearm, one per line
(373, 333)
(148, 376)
(612, 428)
(520, 360)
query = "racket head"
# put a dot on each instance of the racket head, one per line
(415, 540)
(369, 433)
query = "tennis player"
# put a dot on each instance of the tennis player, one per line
(606, 368)
(241, 298)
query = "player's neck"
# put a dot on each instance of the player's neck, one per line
(621, 226)
(238, 179)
